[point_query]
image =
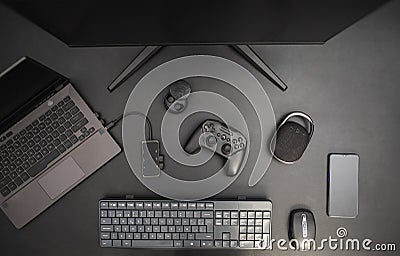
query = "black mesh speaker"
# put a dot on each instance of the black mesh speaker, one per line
(292, 139)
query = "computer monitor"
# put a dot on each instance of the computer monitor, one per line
(175, 22)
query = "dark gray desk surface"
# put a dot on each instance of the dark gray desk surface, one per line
(350, 86)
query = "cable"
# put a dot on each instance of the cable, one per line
(132, 113)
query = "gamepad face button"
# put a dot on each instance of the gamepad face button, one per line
(226, 149)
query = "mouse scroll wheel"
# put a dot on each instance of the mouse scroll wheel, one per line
(304, 225)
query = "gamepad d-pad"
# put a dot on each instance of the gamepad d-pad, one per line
(226, 142)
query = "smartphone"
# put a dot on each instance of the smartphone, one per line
(343, 185)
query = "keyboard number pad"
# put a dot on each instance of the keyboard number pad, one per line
(254, 229)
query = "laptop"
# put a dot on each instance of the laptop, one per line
(50, 140)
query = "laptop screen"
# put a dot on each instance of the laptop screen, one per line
(22, 86)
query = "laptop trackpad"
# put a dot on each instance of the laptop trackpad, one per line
(61, 177)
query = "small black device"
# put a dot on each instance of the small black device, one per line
(302, 228)
(176, 99)
(291, 138)
(152, 161)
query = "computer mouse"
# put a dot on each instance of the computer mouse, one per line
(302, 229)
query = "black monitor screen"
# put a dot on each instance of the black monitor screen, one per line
(175, 22)
(20, 86)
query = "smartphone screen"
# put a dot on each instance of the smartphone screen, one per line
(343, 185)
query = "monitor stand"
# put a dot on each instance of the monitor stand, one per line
(244, 50)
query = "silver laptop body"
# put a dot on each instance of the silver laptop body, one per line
(48, 151)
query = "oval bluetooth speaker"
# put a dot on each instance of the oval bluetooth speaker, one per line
(292, 138)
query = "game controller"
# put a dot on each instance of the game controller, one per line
(227, 142)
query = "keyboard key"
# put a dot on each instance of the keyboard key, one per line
(218, 243)
(25, 176)
(207, 214)
(266, 214)
(68, 115)
(191, 243)
(106, 228)
(50, 147)
(4, 181)
(69, 133)
(204, 236)
(67, 144)
(35, 130)
(76, 118)
(40, 166)
(5, 191)
(74, 110)
(59, 104)
(116, 243)
(68, 106)
(60, 112)
(26, 165)
(6, 171)
(201, 206)
(209, 206)
(63, 137)
(207, 244)
(38, 156)
(61, 129)
(67, 125)
(56, 142)
(18, 181)
(41, 126)
(37, 138)
(79, 125)
(32, 160)
(55, 125)
(12, 186)
(126, 243)
(106, 243)
(61, 120)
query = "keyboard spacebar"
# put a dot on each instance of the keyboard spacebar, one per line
(42, 164)
(152, 243)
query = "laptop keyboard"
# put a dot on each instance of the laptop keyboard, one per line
(26, 154)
